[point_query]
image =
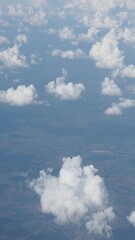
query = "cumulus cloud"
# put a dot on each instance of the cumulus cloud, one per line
(76, 194)
(129, 35)
(70, 54)
(129, 71)
(131, 218)
(30, 15)
(11, 57)
(106, 53)
(109, 87)
(60, 89)
(22, 95)
(100, 222)
(67, 33)
(116, 108)
(113, 110)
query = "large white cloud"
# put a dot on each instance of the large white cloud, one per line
(109, 87)
(106, 53)
(22, 95)
(60, 89)
(76, 194)
(11, 57)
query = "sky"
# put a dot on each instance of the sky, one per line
(67, 107)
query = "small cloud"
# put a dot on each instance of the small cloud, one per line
(116, 108)
(113, 110)
(131, 218)
(4, 40)
(78, 194)
(11, 56)
(67, 33)
(60, 89)
(70, 54)
(129, 71)
(20, 96)
(109, 87)
(34, 59)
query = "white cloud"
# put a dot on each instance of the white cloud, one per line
(77, 194)
(129, 71)
(30, 15)
(70, 54)
(21, 38)
(90, 35)
(129, 35)
(109, 87)
(113, 110)
(67, 33)
(100, 222)
(3, 40)
(106, 53)
(34, 59)
(22, 95)
(130, 4)
(63, 91)
(11, 56)
(131, 218)
(116, 108)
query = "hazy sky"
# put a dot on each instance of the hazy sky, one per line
(73, 61)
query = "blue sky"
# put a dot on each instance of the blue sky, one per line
(67, 102)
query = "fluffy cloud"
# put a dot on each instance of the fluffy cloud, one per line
(64, 91)
(20, 96)
(116, 108)
(11, 56)
(67, 33)
(71, 54)
(30, 15)
(131, 218)
(129, 71)
(113, 110)
(100, 222)
(109, 87)
(106, 53)
(77, 194)
(129, 35)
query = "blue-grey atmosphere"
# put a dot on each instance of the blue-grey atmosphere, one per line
(67, 120)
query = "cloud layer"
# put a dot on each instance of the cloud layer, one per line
(76, 194)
